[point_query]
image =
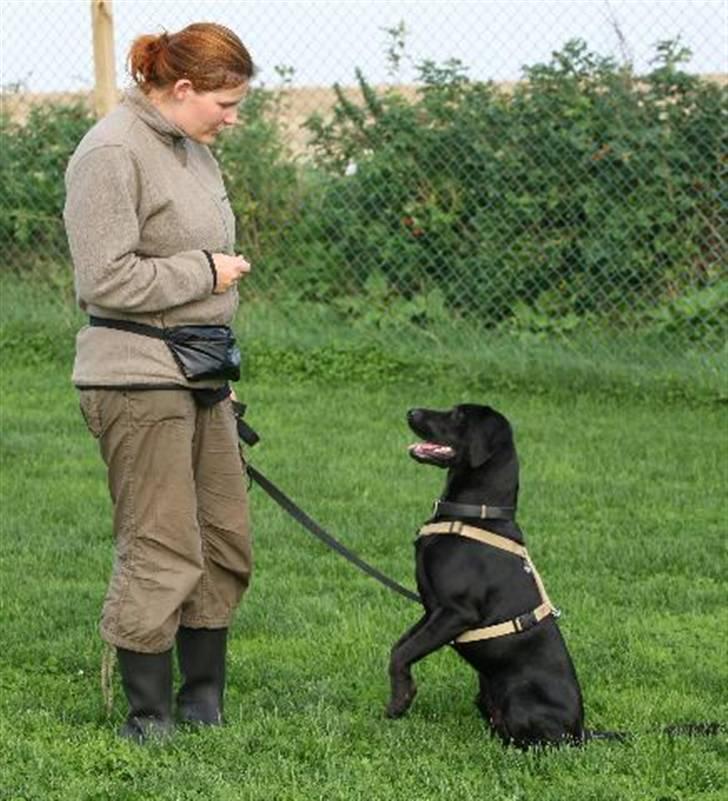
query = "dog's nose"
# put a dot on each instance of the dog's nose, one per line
(414, 415)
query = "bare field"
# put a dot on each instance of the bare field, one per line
(296, 104)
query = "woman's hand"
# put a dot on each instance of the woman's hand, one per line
(229, 269)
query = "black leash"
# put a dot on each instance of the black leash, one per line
(314, 528)
(250, 437)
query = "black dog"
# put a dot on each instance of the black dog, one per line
(529, 692)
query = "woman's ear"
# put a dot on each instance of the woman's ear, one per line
(182, 88)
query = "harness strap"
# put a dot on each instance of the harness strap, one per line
(473, 533)
(517, 624)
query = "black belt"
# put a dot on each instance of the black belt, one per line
(127, 325)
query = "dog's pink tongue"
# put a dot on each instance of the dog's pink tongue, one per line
(431, 449)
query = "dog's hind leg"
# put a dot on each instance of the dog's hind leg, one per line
(490, 712)
(431, 633)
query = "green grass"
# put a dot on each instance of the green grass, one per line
(310, 341)
(623, 503)
(606, 361)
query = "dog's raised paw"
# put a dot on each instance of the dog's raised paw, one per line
(394, 711)
(399, 705)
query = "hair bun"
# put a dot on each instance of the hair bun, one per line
(144, 57)
(155, 44)
(212, 53)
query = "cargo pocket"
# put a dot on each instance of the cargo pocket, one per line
(90, 405)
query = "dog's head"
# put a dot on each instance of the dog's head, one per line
(467, 435)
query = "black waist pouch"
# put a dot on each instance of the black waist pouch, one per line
(201, 351)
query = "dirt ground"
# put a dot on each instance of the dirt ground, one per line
(297, 104)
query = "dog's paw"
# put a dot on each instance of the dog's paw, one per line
(394, 711)
(399, 704)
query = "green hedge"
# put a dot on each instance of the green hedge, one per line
(585, 191)
(584, 194)
(33, 160)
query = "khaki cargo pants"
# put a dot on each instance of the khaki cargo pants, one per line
(177, 482)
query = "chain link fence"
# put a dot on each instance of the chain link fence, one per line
(538, 170)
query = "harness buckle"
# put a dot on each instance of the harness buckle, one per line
(526, 621)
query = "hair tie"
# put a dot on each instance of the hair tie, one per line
(159, 43)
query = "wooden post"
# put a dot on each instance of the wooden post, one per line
(102, 21)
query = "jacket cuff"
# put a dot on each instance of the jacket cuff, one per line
(213, 269)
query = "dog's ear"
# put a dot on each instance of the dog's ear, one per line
(488, 437)
(479, 451)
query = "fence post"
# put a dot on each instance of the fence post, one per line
(102, 21)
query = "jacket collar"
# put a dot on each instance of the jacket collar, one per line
(150, 114)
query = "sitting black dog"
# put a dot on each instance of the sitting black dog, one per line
(480, 590)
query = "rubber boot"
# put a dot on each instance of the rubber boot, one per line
(147, 682)
(201, 654)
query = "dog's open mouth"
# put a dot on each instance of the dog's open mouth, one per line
(432, 453)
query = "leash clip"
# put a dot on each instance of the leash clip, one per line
(245, 432)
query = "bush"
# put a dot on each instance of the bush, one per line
(585, 191)
(586, 194)
(33, 161)
(260, 175)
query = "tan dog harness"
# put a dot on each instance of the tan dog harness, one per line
(517, 624)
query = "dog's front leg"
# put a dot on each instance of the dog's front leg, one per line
(431, 633)
(411, 631)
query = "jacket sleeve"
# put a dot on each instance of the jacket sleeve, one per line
(102, 225)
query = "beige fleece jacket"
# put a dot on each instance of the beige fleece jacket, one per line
(142, 203)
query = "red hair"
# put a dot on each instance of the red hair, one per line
(211, 56)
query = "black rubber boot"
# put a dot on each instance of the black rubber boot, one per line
(147, 682)
(201, 654)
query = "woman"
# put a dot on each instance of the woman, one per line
(152, 234)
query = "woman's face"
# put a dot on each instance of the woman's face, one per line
(202, 115)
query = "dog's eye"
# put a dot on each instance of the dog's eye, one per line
(458, 416)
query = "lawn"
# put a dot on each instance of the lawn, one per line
(623, 503)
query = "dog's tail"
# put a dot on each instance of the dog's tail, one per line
(712, 729)
(617, 736)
